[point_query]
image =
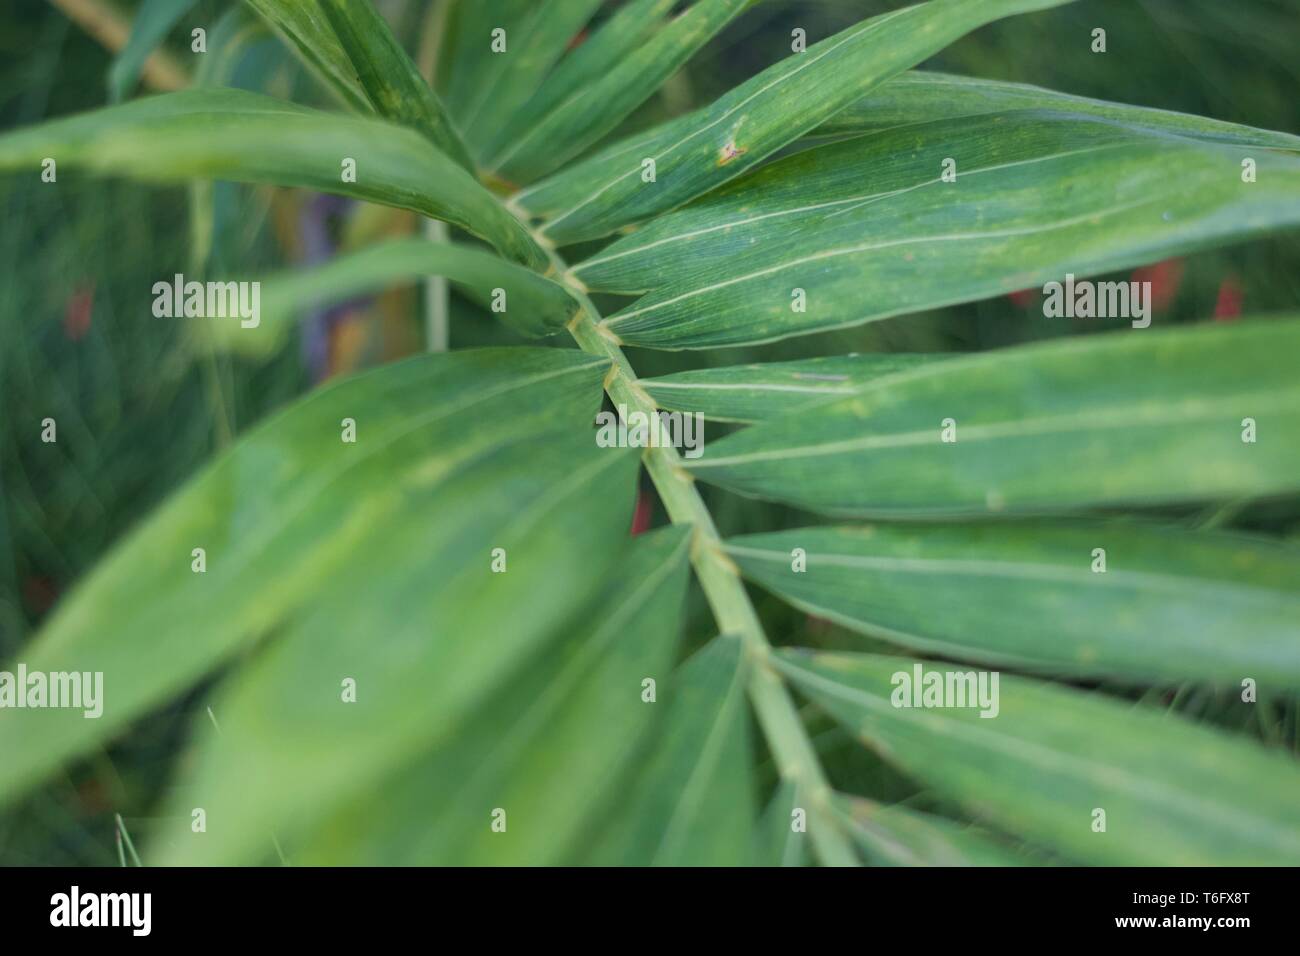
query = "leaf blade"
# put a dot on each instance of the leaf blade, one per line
(1169, 787)
(1131, 419)
(591, 111)
(245, 137)
(131, 618)
(518, 71)
(152, 22)
(755, 393)
(626, 28)
(777, 842)
(772, 109)
(452, 630)
(922, 96)
(692, 803)
(302, 24)
(546, 749)
(534, 306)
(391, 82)
(1035, 197)
(897, 836)
(1170, 604)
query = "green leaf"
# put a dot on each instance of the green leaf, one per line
(763, 114)
(291, 513)
(302, 24)
(516, 73)
(813, 185)
(923, 97)
(231, 45)
(547, 749)
(754, 393)
(391, 82)
(790, 249)
(564, 189)
(1166, 603)
(424, 626)
(691, 802)
(1174, 794)
(777, 842)
(610, 44)
(534, 306)
(1127, 418)
(468, 54)
(598, 105)
(897, 836)
(245, 137)
(150, 26)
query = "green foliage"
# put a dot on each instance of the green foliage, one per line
(1053, 756)
(561, 755)
(537, 307)
(1036, 194)
(694, 801)
(896, 836)
(706, 149)
(152, 23)
(1063, 598)
(304, 25)
(391, 81)
(264, 557)
(245, 137)
(1039, 428)
(604, 89)
(418, 630)
(754, 393)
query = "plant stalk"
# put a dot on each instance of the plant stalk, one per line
(437, 314)
(112, 29)
(718, 575)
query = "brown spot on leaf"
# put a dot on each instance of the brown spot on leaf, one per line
(730, 152)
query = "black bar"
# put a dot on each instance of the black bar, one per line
(334, 906)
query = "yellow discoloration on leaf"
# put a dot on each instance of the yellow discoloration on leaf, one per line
(574, 282)
(607, 334)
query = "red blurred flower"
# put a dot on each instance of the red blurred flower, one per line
(1228, 306)
(1023, 298)
(77, 313)
(1165, 277)
(643, 513)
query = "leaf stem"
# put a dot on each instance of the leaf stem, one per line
(796, 760)
(437, 322)
(104, 22)
(124, 837)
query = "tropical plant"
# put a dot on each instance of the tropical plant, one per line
(437, 643)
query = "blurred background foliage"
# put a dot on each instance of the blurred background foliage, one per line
(139, 407)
